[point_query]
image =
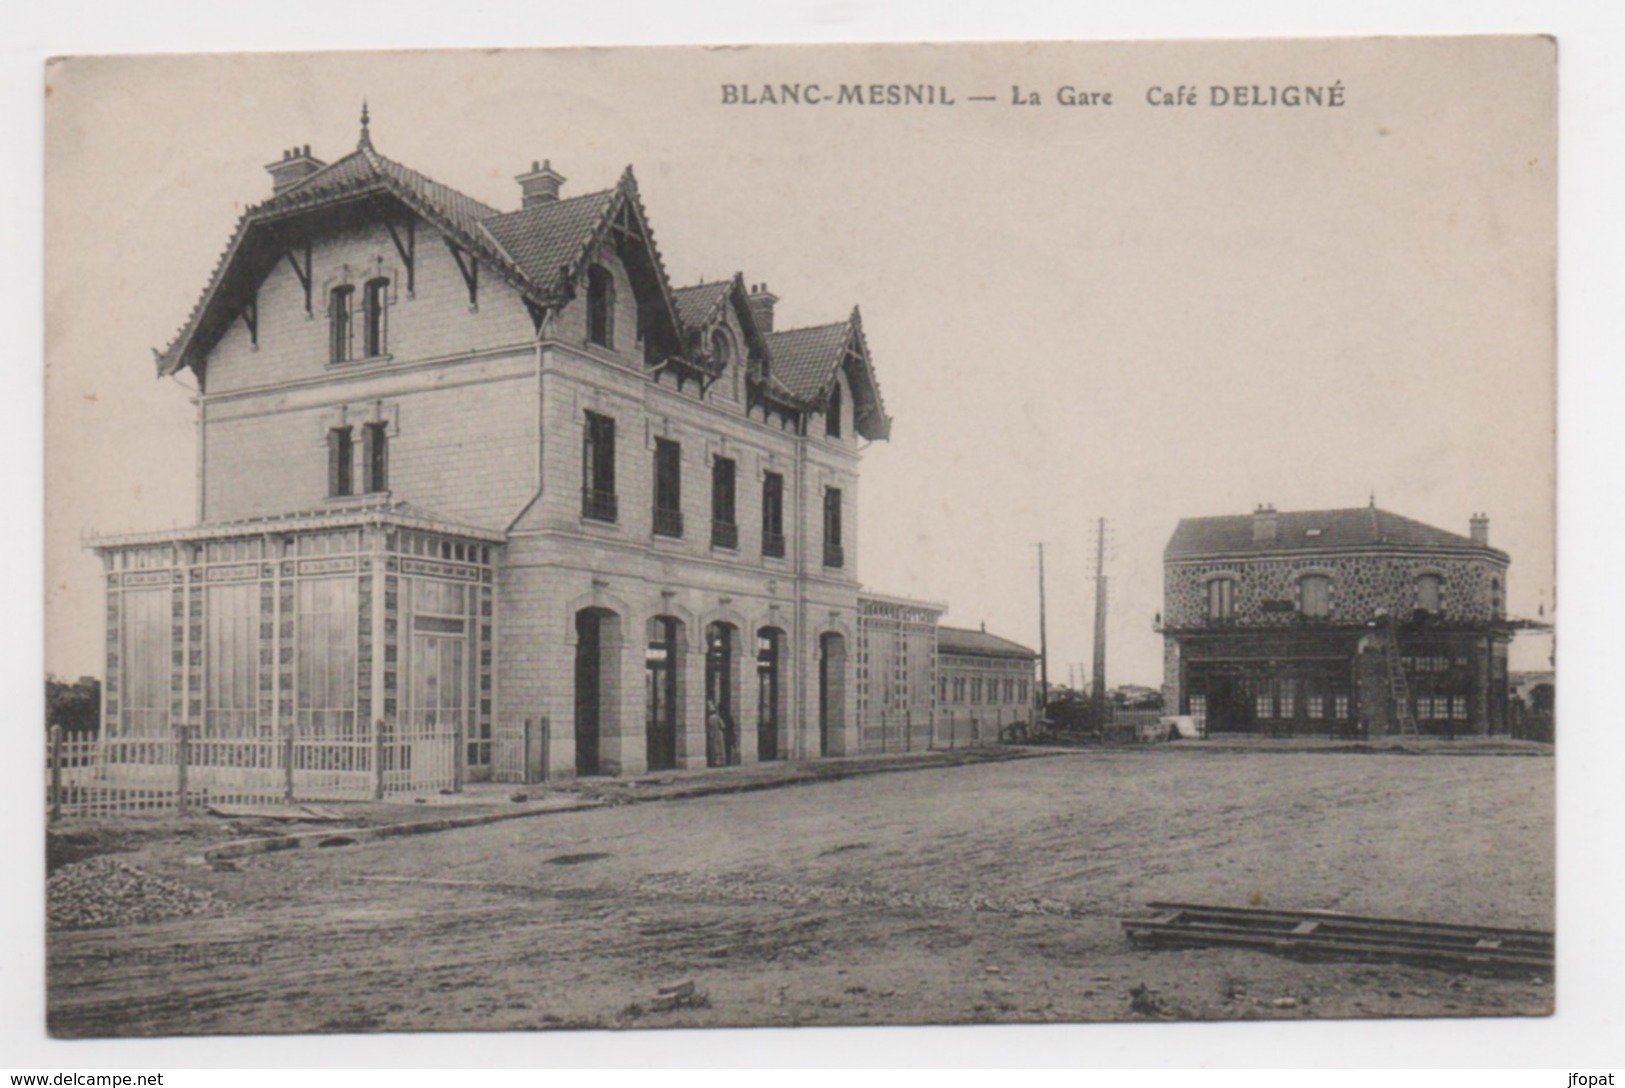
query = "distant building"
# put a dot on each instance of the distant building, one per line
(1335, 620)
(983, 679)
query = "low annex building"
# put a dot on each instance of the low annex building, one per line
(1335, 621)
(487, 475)
(982, 679)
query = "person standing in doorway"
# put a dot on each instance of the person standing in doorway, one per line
(716, 736)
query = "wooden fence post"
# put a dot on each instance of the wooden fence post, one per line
(183, 752)
(908, 729)
(56, 772)
(378, 759)
(287, 762)
(545, 770)
(458, 755)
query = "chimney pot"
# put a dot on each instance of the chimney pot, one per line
(1479, 528)
(539, 185)
(296, 164)
(1266, 524)
(761, 300)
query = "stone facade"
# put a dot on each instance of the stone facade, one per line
(467, 498)
(1285, 623)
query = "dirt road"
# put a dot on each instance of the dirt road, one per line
(979, 893)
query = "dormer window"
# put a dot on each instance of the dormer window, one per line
(1429, 593)
(375, 315)
(339, 302)
(600, 307)
(832, 418)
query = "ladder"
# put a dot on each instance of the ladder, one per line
(1398, 689)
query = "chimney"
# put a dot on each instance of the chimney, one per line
(1479, 529)
(1266, 525)
(296, 164)
(540, 185)
(761, 300)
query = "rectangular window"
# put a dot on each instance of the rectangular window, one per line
(1264, 705)
(375, 312)
(598, 468)
(773, 515)
(1289, 694)
(1317, 707)
(724, 529)
(325, 652)
(834, 555)
(1221, 598)
(1315, 592)
(339, 303)
(340, 461)
(668, 508)
(375, 456)
(1199, 710)
(1340, 707)
(144, 705)
(1458, 707)
(232, 653)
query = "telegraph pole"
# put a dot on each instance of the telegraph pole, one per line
(1098, 694)
(1043, 641)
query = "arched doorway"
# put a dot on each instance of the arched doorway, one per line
(598, 639)
(831, 692)
(663, 670)
(769, 691)
(721, 679)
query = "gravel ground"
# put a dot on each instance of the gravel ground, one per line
(104, 891)
(988, 893)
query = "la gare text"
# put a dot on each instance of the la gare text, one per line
(937, 94)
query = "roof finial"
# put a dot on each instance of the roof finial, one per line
(366, 136)
(1373, 498)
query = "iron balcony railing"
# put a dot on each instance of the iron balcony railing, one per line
(724, 534)
(773, 545)
(668, 522)
(598, 505)
(834, 555)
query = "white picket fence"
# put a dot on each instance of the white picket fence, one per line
(103, 776)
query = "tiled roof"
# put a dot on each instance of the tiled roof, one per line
(963, 640)
(1311, 530)
(805, 359)
(697, 303)
(543, 239)
(537, 250)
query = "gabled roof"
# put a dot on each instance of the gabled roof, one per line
(701, 304)
(541, 251)
(807, 361)
(963, 640)
(1314, 530)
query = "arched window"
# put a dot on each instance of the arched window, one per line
(1315, 596)
(1221, 598)
(721, 348)
(1496, 608)
(339, 301)
(832, 417)
(600, 306)
(1429, 593)
(375, 315)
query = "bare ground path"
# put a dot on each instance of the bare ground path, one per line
(975, 893)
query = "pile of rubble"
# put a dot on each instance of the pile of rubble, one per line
(103, 891)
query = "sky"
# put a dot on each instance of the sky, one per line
(1134, 312)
